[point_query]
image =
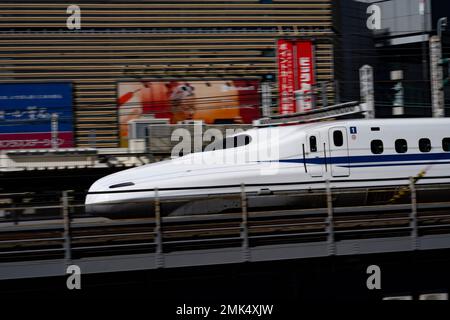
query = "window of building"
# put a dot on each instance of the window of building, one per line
(377, 146)
(446, 144)
(338, 138)
(313, 144)
(401, 146)
(424, 145)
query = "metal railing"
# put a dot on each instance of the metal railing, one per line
(73, 236)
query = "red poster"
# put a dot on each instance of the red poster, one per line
(286, 76)
(306, 80)
(295, 72)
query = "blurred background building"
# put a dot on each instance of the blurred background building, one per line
(214, 61)
(162, 43)
(391, 36)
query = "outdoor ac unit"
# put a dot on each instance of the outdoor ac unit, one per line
(138, 128)
(137, 145)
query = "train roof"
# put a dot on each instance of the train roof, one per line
(367, 122)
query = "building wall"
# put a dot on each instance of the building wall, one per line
(162, 39)
(354, 46)
(397, 45)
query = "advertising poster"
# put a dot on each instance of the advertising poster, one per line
(26, 116)
(305, 74)
(286, 76)
(295, 72)
(214, 102)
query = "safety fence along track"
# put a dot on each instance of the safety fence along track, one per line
(33, 247)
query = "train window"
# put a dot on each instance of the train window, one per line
(313, 144)
(377, 146)
(120, 185)
(446, 144)
(424, 145)
(230, 142)
(338, 138)
(401, 146)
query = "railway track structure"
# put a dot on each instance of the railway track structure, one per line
(34, 246)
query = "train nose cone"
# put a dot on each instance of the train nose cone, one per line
(97, 203)
(111, 199)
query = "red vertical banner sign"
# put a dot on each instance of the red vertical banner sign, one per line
(305, 65)
(295, 72)
(286, 60)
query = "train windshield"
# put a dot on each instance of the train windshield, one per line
(230, 142)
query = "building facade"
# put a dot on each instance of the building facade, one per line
(392, 36)
(109, 42)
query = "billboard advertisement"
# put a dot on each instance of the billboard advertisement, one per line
(26, 113)
(285, 53)
(214, 102)
(295, 72)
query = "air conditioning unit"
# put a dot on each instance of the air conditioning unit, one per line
(159, 138)
(137, 145)
(138, 128)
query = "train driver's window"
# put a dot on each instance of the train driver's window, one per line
(313, 144)
(401, 146)
(424, 145)
(446, 144)
(338, 138)
(230, 142)
(377, 146)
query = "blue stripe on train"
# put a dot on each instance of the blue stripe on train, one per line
(429, 158)
(395, 164)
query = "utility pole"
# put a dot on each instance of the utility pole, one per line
(54, 131)
(422, 12)
(437, 77)
(266, 95)
(399, 93)
(441, 26)
(367, 90)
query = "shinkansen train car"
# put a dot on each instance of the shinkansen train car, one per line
(350, 154)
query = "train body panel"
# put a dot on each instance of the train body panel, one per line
(348, 154)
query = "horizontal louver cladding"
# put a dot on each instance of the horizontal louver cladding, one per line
(132, 40)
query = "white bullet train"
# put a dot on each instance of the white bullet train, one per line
(348, 153)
